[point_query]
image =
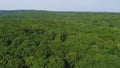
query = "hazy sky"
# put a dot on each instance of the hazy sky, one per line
(62, 5)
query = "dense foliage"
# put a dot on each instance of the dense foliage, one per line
(42, 39)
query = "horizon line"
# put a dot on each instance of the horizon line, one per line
(60, 10)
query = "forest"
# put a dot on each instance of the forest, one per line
(50, 39)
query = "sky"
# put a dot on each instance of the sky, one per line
(62, 5)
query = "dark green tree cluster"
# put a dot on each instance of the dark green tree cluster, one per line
(42, 39)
